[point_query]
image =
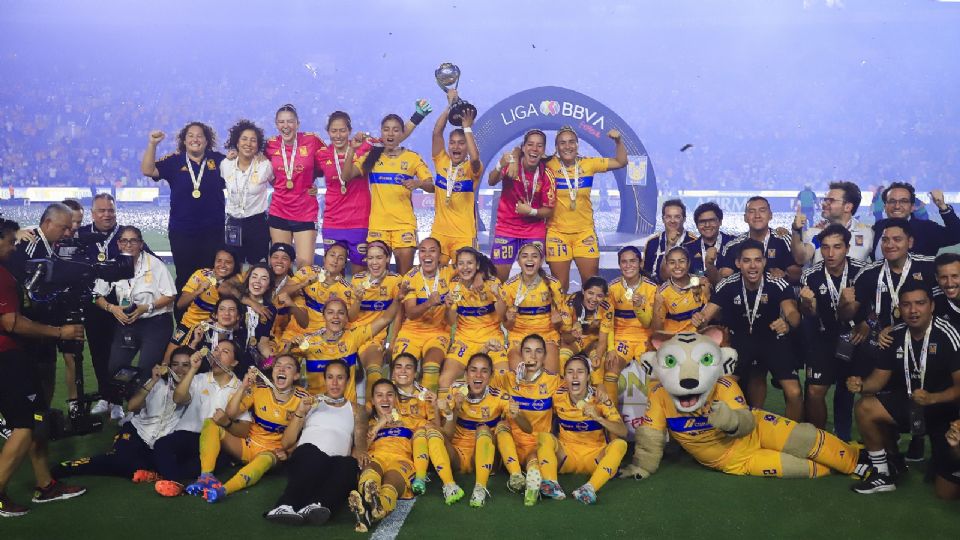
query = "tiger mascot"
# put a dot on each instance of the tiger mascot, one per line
(704, 410)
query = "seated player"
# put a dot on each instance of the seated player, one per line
(533, 300)
(945, 485)
(374, 290)
(257, 312)
(532, 388)
(310, 288)
(224, 325)
(272, 406)
(281, 266)
(585, 424)
(204, 287)
(428, 446)
(425, 332)
(469, 413)
(679, 296)
(389, 464)
(581, 322)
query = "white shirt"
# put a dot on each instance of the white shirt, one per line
(206, 396)
(246, 190)
(151, 280)
(861, 241)
(159, 415)
(329, 428)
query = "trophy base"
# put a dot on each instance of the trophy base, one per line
(457, 110)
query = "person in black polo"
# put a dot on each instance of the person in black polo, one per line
(776, 246)
(831, 352)
(914, 387)
(759, 310)
(197, 204)
(948, 278)
(705, 250)
(899, 201)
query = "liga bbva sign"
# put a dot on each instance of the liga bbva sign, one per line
(549, 108)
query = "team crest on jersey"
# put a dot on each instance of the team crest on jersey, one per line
(918, 276)
(544, 297)
(771, 253)
(383, 291)
(403, 165)
(763, 298)
(342, 347)
(483, 296)
(932, 349)
(485, 412)
(736, 300)
(303, 151)
(858, 240)
(543, 388)
(823, 289)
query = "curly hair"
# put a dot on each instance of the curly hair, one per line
(208, 133)
(237, 130)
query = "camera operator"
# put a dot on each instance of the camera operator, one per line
(142, 320)
(831, 351)
(19, 399)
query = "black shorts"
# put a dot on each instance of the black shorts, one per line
(945, 463)
(755, 357)
(823, 368)
(19, 396)
(290, 225)
(898, 406)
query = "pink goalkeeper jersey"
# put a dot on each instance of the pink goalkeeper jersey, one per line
(294, 203)
(509, 223)
(350, 210)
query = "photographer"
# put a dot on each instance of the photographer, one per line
(142, 315)
(19, 388)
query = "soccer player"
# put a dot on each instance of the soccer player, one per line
(776, 248)
(674, 214)
(533, 300)
(394, 172)
(425, 332)
(705, 250)
(258, 313)
(281, 264)
(920, 401)
(295, 158)
(312, 286)
(272, 407)
(375, 290)
(948, 278)
(475, 307)
(224, 325)
(470, 412)
(581, 321)
(459, 173)
(680, 296)
(899, 201)
(571, 231)
(585, 423)
(839, 207)
(625, 319)
(759, 310)
(202, 290)
(831, 353)
(527, 200)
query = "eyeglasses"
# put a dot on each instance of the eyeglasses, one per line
(130, 241)
(710, 221)
(898, 202)
(831, 200)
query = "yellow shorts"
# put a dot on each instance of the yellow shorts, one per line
(580, 459)
(404, 238)
(465, 454)
(758, 454)
(526, 446)
(250, 449)
(629, 349)
(450, 244)
(377, 342)
(461, 350)
(567, 246)
(418, 344)
(405, 467)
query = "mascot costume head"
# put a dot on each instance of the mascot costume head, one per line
(689, 365)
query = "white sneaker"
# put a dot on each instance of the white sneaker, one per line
(100, 407)
(116, 412)
(479, 496)
(284, 514)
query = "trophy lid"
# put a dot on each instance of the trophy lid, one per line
(447, 74)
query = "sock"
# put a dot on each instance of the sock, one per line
(421, 459)
(484, 457)
(609, 464)
(533, 464)
(611, 383)
(373, 373)
(210, 436)
(251, 473)
(832, 452)
(430, 378)
(508, 449)
(439, 455)
(879, 460)
(547, 454)
(388, 498)
(366, 475)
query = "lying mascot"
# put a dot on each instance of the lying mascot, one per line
(704, 410)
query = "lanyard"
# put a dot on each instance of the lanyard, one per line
(752, 313)
(908, 356)
(535, 184)
(703, 249)
(630, 291)
(834, 292)
(195, 178)
(523, 291)
(242, 183)
(886, 278)
(662, 247)
(252, 320)
(102, 246)
(288, 167)
(137, 274)
(336, 163)
(420, 394)
(436, 281)
(46, 244)
(452, 173)
(574, 187)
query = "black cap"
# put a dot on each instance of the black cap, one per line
(284, 247)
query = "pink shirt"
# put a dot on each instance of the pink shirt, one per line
(294, 203)
(509, 223)
(350, 210)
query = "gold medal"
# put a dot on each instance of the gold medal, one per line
(573, 204)
(463, 390)
(289, 184)
(343, 189)
(395, 415)
(196, 194)
(896, 312)
(164, 370)
(366, 284)
(582, 404)
(102, 257)
(448, 200)
(304, 345)
(628, 295)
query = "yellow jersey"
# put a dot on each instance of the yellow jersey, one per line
(488, 411)
(434, 321)
(619, 316)
(313, 297)
(589, 324)
(535, 303)
(415, 407)
(705, 443)
(205, 303)
(318, 350)
(395, 440)
(376, 299)
(477, 318)
(535, 399)
(391, 204)
(580, 178)
(455, 216)
(270, 417)
(575, 427)
(679, 306)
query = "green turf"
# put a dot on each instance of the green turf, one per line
(682, 500)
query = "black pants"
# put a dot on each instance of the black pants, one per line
(177, 456)
(128, 454)
(315, 477)
(193, 250)
(148, 336)
(255, 238)
(42, 356)
(99, 325)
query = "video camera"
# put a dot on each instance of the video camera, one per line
(59, 288)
